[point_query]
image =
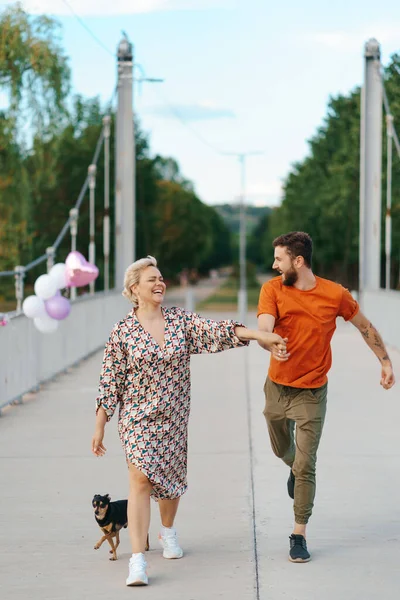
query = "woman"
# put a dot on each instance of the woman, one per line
(146, 369)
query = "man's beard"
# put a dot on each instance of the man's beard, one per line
(290, 278)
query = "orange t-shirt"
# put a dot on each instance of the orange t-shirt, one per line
(308, 320)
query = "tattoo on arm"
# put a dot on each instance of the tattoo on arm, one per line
(375, 342)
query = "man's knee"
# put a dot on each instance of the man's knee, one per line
(282, 442)
(304, 467)
(281, 451)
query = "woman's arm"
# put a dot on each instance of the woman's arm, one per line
(269, 341)
(97, 441)
(112, 378)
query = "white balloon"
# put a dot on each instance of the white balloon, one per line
(45, 287)
(46, 324)
(57, 272)
(33, 307)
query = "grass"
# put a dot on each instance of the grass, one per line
(226, 297)
(7, 305)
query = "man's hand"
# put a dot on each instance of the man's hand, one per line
(387, 378)
(275, 344)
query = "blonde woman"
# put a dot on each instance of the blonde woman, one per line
(146, 370)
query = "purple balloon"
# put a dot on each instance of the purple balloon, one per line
(58, 307)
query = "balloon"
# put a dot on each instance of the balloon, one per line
(57, 272)
(79, 272)
(58, 307)
(4, 320)
(45, 324)
(45, 287)
(33, 307)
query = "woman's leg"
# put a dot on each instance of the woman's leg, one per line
(138, 508)
(168, 510)
(167, 536)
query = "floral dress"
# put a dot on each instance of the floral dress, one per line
(151, 384)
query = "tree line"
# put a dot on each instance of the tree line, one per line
(47, 140)
(321, 192)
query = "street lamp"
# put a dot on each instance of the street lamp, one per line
(242, 295)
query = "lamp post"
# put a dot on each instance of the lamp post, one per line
(242, 295)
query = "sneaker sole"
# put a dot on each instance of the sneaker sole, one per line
(137, 583)
(299, 560)
(165, 553)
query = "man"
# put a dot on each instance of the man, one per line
(303, 308)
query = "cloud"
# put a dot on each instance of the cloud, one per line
(191, 112)
(101, 8)
(353, 41)
(268, 193)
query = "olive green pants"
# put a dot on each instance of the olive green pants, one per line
(285, 408)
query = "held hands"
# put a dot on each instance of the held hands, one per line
(98, 448)
(387, 376)
(275, 344)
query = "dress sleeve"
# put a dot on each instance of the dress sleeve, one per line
(208, 336)
(112, 376)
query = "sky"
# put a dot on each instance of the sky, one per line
(239, 76)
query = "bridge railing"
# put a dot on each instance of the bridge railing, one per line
(71, 224)
(29, 358)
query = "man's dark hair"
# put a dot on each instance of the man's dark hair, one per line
(297, 243)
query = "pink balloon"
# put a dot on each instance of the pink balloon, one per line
(79, 271)
(58, 307)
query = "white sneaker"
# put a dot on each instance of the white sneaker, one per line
(169, 542)
(137, 570)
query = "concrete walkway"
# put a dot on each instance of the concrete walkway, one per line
(233, 548)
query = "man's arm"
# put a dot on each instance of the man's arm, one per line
(266, 323)
(375, 342)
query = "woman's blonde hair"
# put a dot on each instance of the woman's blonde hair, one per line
(132, 276)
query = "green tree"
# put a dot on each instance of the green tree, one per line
(321, 192)
(35, 76)
(220, 253)
(183, 235)
(33, 66)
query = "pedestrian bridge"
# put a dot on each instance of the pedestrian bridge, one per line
(29, 358)
(235, 520)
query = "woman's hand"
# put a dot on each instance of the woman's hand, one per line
(275, 344)
(98, 448)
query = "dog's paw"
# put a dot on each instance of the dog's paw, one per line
(113, 558)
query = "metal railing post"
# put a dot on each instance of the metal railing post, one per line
(51, 253)
(74, 216)
(92, 244)
(19, 286)
(106, 218)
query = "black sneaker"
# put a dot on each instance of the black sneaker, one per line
(298, 549)
(290, 484)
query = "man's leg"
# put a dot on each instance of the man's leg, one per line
(280, 428)
(307, 408)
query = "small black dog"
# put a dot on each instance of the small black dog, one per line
(111, 518)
